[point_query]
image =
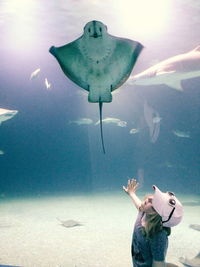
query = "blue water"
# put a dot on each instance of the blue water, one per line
(43, 152)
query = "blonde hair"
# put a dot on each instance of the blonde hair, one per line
(154, 224)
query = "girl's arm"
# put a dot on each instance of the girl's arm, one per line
(131, 191)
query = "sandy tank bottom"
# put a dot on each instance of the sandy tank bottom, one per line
(32, 236)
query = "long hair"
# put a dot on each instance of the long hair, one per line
(154, 225)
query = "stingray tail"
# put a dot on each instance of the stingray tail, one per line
(101, 127)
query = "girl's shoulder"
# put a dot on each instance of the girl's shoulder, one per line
(161, 235)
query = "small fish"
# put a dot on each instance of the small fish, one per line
(82, 121)
(2, 152)
(157, 119)
(116, 121)
(6, 114)
(134, 131)
(34, 74)
(181, 134)
(122, 124)
(47, 84)
(168, 164)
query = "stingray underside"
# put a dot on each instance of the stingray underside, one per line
(71, 62)
(98, 62)
(98, 76)
(126, 55)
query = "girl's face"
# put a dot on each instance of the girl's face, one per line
(146, 205)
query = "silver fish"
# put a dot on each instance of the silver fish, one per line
(6, 114)
(134, 131)
(181, 134)
(34, 74)
(110, 120)
(82, 121)
(47, 84)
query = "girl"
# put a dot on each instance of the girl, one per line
(157, 214)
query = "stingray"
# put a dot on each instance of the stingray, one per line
(69, 223)
(195, 226)
(195, 262)
(171, 71)
(98, 62)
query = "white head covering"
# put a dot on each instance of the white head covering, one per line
(168, 207)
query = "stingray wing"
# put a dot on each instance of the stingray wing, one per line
(114, 71)
(70, 60)
(124, 58)
(98, 62)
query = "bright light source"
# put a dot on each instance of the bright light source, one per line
(143, 16)
(19, 20)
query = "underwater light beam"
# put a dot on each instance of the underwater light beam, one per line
(22, 26)
(144, 17)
